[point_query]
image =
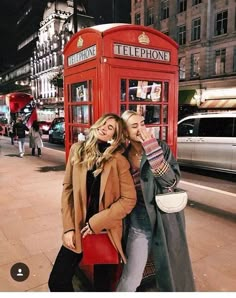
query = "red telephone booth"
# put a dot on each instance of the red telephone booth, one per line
(114, 67)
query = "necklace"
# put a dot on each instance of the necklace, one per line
(138, 155)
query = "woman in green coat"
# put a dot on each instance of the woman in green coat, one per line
(150, 231)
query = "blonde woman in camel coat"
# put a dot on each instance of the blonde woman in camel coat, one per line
(96, 170)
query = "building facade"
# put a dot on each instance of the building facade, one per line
(56, 29)
(43, 28)
(206, 33)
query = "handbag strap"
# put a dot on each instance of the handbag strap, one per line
(171, 188)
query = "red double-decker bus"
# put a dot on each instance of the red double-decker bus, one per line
(18, 104)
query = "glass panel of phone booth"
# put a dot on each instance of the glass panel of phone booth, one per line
(123, 89)
(166, 91)
(81, 114)
(79, 92)
(143, 90)
(150, 99)
(80, 109)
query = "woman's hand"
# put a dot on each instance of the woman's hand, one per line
(86, 230)
(69, 239)
(144, 134)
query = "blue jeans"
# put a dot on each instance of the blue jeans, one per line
(21, 144)
(137, 250)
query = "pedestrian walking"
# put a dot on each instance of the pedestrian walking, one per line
(152, 233)
(19, 129)
(11, 132)
(98, 192)
(35, 138)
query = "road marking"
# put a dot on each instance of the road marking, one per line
(209, 188)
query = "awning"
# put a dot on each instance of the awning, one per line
(219, 104)
(186, 97)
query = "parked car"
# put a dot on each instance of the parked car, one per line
(208, 141)
(57, 132)
(44, 126)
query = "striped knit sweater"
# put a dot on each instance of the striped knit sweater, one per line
(155, 157)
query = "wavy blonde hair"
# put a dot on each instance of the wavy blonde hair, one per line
(89, 154)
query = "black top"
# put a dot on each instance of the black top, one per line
(93, 186)
(19, 129)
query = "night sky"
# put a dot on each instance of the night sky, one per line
(100, 9)
(8, 9)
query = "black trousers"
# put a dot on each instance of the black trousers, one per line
(60, 279)
(39, 151)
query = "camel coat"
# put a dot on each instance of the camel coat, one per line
(117, 199)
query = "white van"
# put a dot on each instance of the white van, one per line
(208, 141)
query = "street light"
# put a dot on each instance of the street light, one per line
(75, 16)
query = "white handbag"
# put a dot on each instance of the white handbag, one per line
(172, 202)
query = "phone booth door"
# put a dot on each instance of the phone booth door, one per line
(148, 93)
(79, 110)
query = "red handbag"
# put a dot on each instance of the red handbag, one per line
(98, 249)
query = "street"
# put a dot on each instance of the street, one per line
(30, 221)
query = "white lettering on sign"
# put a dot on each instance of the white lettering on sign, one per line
(82, 55)
(142, 53)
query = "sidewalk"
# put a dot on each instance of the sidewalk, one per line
(30, 225)
(30, 222)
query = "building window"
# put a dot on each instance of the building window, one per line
(196, 29)
(164, 9)
(195, 65)
(221, 23)
(182, 5)
(150, 16)
(195, 2)
(182, 35)
(137, 20)
(234, 62)
(182, 68)
(220, 61)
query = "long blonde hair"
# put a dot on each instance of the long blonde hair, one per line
(89, 154)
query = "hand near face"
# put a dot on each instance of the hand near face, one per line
(137, 130)
(69, 239)
(144, 134)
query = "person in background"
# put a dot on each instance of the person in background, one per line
(35, 138)
(151, 232)
(11, 132)
(98, 192)
(19, 129)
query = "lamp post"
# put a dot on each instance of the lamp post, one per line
(75, 24)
